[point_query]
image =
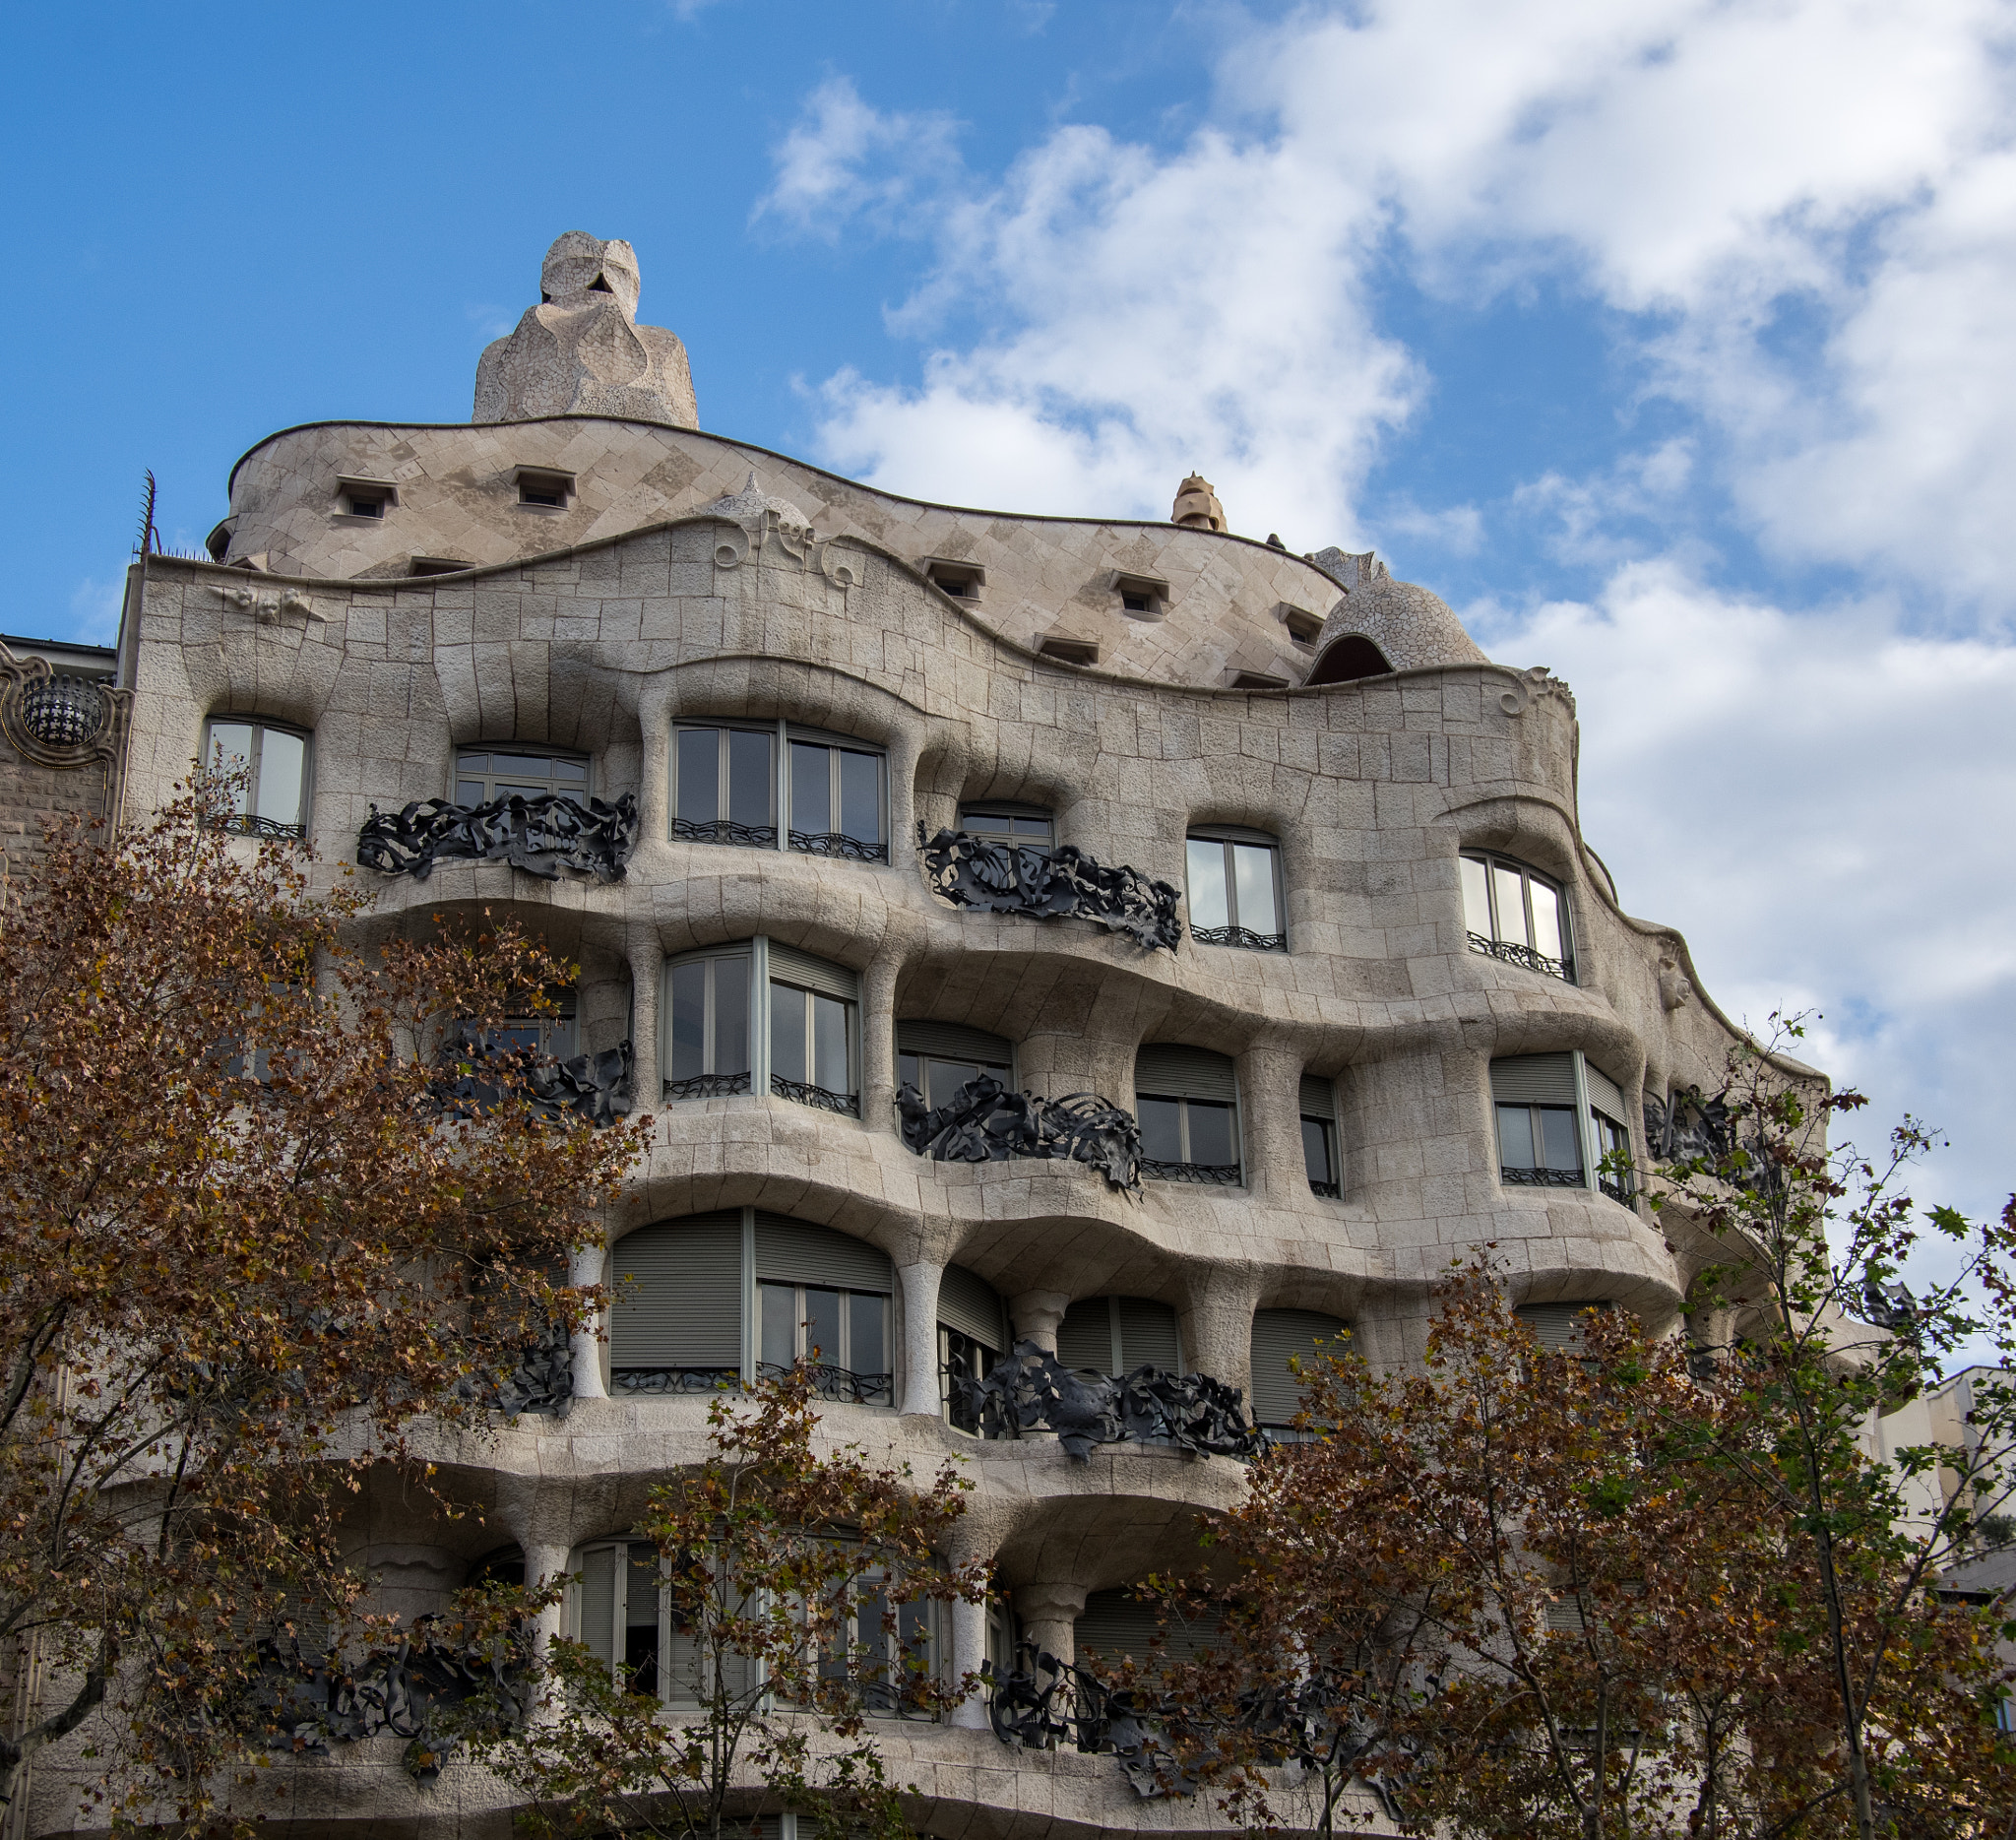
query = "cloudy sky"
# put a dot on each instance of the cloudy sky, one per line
(1670, 343)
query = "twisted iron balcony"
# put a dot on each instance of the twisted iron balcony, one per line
(819, 1097)
(1211, 1175)
(1060, 882)
(708, 1086)
(1242, 936)
(1512, 953)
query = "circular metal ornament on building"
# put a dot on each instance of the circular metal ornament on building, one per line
(62, 712)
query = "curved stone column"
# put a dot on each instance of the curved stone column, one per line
(920, 1396)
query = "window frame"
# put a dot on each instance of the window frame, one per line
(726, 830)
(840, 1364)
(1232, 837)
(1330, 1187)
(1590, 1120)
(1512, 951)
(249, 822)
(760, 1077)
(489, 751)
(710, 1082)
(783, 831)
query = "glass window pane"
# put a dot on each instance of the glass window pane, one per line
(908, 1073)
(699, 775)
(1547, 918)
(230, 748)
(860, 796)
(689, 1022)
(473, 763)
(780, 1303)
(811, 789)
(1035, 831)
(1162, 1129)
(867, 1348)
(1253, 883)
(822, 1326)
(1511, 908)
(947, 1077)
(1515, 1137)
(1557, 1126)
(731, 1015)
(786, 1033)
(1205, 865)
(1316, 1149)
(522, 766)
(640, 1618)
(752, 780)
(1477, 898)
(829, 1045)
(470, 792)
(1210, 1133)
(575, 772)
(282, 759)
(598, 1604)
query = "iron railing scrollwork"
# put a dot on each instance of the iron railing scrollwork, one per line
(708, 1086)
(1330, 1191)
(1028, 1389)
(724, 831)
(841, 1385)
(674, 1380)
(250, 824)
(541, 833)
(838, 844)
(985, 1122)
(540, 1380)
(819, 1097)
(1211, 1175)
(476, 1074)
(1513, 953)
(1060, 882)
(1243, 937)
(1541, 1179)
(1616, 1188)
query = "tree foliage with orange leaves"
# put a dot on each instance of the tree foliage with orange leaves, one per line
(247, 1249)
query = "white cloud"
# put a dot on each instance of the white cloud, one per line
(94, 611)
(847, 161)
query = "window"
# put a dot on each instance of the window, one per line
(1557, 1117)
(724, 785)
(273, 802)
(1303, 627)
(1319, 1136)
(1145, 596)
(1279, 1334)
(972, 1335)
(482, 775)
(1119, 1625)
(436, 565)
(1516, 913)
(365, 499)
(761, 1016)
(939, 1057)
(1558, 1325)
(961, 580)
(813, 1032)
(844, 1333)
(706, 1050)
(1026, 833)
(1187, 1100)
(726, 789)
(1235, 878)
(544, 490)
(1117, 1334)
(1067, 650)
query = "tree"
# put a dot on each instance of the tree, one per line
(246, 1247)
(796, 1582)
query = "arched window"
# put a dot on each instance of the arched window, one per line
(273, 800)
(1186, 1100)
(1319, 1136)
(1117, 1334)
(1516, 913)
(761, 783)
(758, 1015)
(1276, 1335)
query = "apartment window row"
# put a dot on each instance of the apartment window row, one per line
(1559, 1117)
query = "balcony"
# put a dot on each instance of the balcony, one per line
(541, 833)
(985, 1122)
(1058, 882)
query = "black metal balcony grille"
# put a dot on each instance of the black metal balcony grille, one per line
(1541, 1179)
(724, 831)
(708, 1086)
(1524, 955)
(985, 1122)
(848, 1104)
(1617, 1189)
(839, 844)
(674, 1380)
(1330, 1191)
(1056, 883)
(1219, 1174)
(841, 1385)
(540, 833)
(247, 824)
(1242, 936)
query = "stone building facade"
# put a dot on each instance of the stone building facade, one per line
(1416, 1019)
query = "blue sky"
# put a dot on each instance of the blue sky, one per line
(1670, 344)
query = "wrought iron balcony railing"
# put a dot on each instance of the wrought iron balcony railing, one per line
(250, 824)
(540, 833)
(1330, 1191)
(1055, 883)
(819, 1097)
(1243, 937)
(667, 1380)
(708, 1086)
(1541, 1179)
(838, 844)
(841, 1385)
(724, 831)
(1513, 953)
(1212, 1174)
(985, 1122)
(476, 1074)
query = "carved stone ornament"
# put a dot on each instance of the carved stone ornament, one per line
(1530, 686)
(541, 833)
(1674, 987)
(985, 1122)
(270, 609)
(1059, 883)
(59, 720)
(1031, 1390)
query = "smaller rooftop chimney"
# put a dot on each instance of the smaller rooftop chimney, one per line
(1197, 505)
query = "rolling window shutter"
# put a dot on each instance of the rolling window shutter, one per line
(684, 1308)
(954, 1041)
(787, 965)
(1533, 1080)
(1605, 1094)
(968, 1302)
(1117, 1624)
(1318, 1098)
(1278, 1334)
(1148, 1336)
(1085, 1337)
(1174, 1072)
(1557, 1325)
(798, 1252)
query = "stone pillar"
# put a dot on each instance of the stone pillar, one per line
(1049, 1614)
(1217, 1322)
(543, 1562)
(878, 1044)
(586, 1265)
(921, 1391)
(968, 1650)
(647, 967)
(1035, 1315)
(1271, 1123)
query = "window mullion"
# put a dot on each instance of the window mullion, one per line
(1231, 885)
(780, 792)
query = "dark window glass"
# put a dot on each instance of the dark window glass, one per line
(1515, 1136)
(724, 777)
(480, 777)
(1516, 913)
(1317, 1154)
(1162, 1129)
(698, 770)
(788, 1033)
(1008, 827)
(812, 789)
(751, 781)
(1211, 1133)
(836, 792)
(706, 1023)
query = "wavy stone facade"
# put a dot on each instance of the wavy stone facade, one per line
(644, 603)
